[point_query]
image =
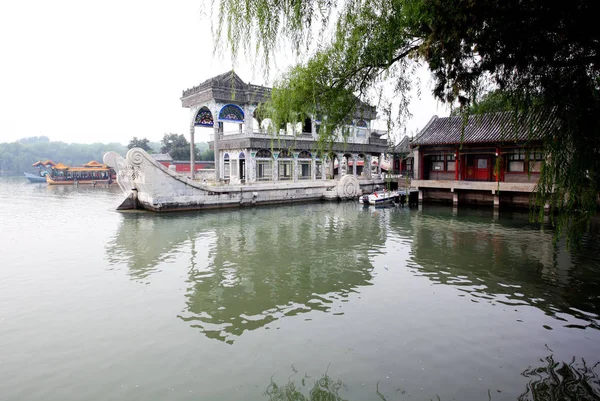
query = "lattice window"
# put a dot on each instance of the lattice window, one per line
(516, 161)
(284, 154)
(536, 156)
(226, 167)
(450, 162)
(204, 118)
(285, 169)
(305, 169)
(264, 153)
(264, 170)
(231, 112)
(437, 163)
(319, 169)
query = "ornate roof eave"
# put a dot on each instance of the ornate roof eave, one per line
(487, 128)
(225, 88)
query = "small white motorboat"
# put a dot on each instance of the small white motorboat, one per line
(380, 198)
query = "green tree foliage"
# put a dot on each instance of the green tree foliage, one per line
(143, 143)
(491, 102)
(155, 146)
(545, 53)
(17, 157)
(34, 139)
(207, 154)
(177, 147)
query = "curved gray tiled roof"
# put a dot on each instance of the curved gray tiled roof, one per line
(403, 146)
(485, 128)
(162, 157)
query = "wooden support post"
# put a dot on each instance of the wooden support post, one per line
(547, 208)
(496, 201)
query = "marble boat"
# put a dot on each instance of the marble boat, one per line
(252, 164)
(149, 185)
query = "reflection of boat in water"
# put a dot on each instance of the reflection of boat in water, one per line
(92, 173)
(36, 178)
(318, 254)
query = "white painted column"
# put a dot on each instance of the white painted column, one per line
(416, 164)
(295, 166)
(275, 167)
(250, 169)
(248, 122)
(193, 110)
(216, 149)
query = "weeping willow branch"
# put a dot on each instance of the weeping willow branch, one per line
(546, 54)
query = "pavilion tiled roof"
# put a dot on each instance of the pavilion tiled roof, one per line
(403, 146)
(93, 163)
(500, 127)
(162, 157)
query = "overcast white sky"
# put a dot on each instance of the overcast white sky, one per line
(84, 72)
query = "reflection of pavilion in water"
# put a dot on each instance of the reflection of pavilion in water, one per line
(262, 264)
(506, 261)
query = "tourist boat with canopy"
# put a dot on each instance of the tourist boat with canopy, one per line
(92, 173)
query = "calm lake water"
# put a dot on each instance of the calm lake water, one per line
(324, 299)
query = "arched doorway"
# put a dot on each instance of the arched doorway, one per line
(285, 166)
(347, 164)
(304, 165)
(264, 165)
(226, 167)
(242, 167)
(332, 166)
(360, 164)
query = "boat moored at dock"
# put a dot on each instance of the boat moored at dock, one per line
(253, 165)
(149, 185)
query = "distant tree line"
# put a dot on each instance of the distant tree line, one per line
(17, 157)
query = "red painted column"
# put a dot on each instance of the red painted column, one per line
(499, 165)
(456, 165)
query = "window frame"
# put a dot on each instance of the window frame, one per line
(528, 160)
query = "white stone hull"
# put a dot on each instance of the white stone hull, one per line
(149, 185)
